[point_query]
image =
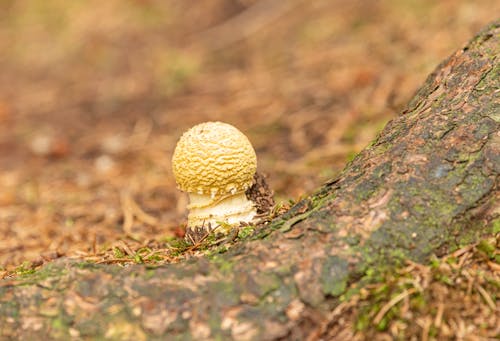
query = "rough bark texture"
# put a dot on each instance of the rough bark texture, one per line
(428, 183)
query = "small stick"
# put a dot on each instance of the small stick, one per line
(439, 315)
(391, 304)
(486, 296)
(128, 215)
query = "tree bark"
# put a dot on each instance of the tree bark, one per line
(427, 184)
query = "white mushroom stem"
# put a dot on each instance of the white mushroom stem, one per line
(230, 210)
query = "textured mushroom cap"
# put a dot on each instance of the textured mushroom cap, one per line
(214, 158)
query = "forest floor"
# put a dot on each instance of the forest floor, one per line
(94, 95)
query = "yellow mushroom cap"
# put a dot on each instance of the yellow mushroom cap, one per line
(214, 158)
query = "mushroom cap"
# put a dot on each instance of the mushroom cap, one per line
(214, 158)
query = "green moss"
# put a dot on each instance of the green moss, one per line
(24, 269)
(145, 254)
(351, 155)
(362, 321)
(85, 265)
(178, 243)
(451, 260)
(444, 279)
(150, 273)
(488, 247)
(118, 253)
(224, 265)
(495, 226)
(418, 302)
(177, 246)
(58, 324)
(221, 249)
(246, 232)
(318, 199)
(266, 283)
(30, 276)
(383, 290)
(138, 259)
(382, 325)
(434, 262)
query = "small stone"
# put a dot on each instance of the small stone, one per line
(73, 332)
(114, 144)
(104, 164)
(136, 311)
(40, 145)
(158, 322)
(199, 330)
(49, 145)
(243, 331)
(295, 309)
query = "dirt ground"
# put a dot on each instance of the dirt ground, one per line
(95, 94)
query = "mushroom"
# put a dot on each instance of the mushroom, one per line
(215, 164)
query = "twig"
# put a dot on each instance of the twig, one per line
(126, 248)
(198, 243)
(391, 304)
(115, 260)
(141, 215)
(130, 210)
(94, 244)
(439, 315)
(128, 216)
(461, 251)
(486, 296)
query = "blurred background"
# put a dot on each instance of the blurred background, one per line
(94, 95)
